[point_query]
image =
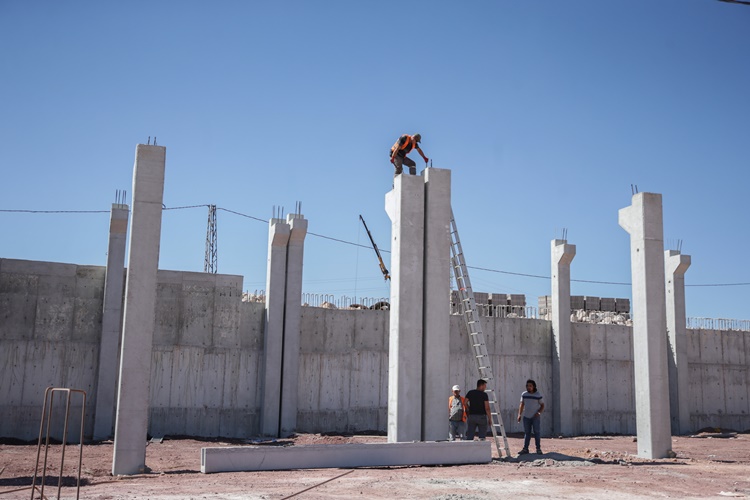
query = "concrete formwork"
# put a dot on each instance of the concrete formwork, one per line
(405, 207)
(562, 361)
(675, 265)
(131, 425)
(106, 389)
(643, 220)
(257, 458)
(273, 337)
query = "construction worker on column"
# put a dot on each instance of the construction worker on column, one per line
(403, 147)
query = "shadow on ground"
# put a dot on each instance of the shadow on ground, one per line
(67, 481)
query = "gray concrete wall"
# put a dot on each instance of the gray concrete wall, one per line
(603, 379)
(50, 326)
(207, 357)
(343, 370)
(208, 350)
(719, 379)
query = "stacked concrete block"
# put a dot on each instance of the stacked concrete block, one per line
(622, 305)
(607, 304)
(577, 302)
(482, 298)
(544, 305)
(517, 300)
(498, 299)
(591, 303)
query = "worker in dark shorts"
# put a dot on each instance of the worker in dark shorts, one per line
(479, 411)
(403, 146)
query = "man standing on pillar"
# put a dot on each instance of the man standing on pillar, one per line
(403, 146)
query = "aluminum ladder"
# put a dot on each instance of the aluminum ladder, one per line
(476, 337)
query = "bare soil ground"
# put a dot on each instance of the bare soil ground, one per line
(593, 467)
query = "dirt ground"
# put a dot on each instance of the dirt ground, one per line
(710, 465)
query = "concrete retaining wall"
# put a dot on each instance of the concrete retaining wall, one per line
(50, 324)
(719, 378)
(208, 348)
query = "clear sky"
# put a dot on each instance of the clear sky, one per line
(546, 112)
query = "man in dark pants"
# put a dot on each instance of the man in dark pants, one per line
(479, 411)
(403, 146)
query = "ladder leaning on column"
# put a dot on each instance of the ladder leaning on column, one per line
(476, 337)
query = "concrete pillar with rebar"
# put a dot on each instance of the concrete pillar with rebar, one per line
(106, 388)
(562, 358)
(675, 265)
(292, 316)
(131, 422)
(273, 335)
(643, 220)
(405, 207)
(436, 340)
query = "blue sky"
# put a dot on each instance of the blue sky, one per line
(546, 112)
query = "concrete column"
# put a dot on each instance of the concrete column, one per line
(111, 323)
(131, 424)
(562, 359)
(436, 340)
(643, 220)
(292, 313)
(405, 207)
(675, 266)
(273, 335)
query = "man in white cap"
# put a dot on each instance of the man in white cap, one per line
(456, 415)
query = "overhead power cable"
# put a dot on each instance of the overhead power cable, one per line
(57, 211)
(525, 275)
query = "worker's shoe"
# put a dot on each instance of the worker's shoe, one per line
(539, 451)
(525, 451)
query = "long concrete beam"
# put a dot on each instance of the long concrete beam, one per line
(256, 458)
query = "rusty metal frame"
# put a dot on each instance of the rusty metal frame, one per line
(49, 394)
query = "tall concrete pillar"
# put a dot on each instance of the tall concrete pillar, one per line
(643, 220)
(436, 339)
(405, 207)
(273, 335)
(675, 266)
(111, 322)
(562, 358)
(292, 312)
(131, 423)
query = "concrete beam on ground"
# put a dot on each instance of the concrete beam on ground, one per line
(257, 458)
(106, 389)
(644, 221)
(273, 334)
(679, 384)
(131, 422)
(405, 207)
(292, 316)
(562, 357)
(436, 337)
